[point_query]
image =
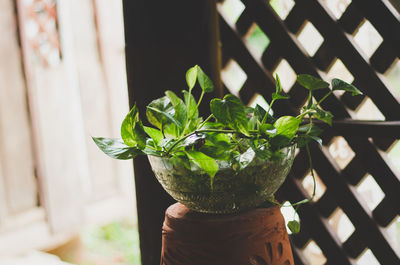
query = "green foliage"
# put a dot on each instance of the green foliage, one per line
(116, 148)
(208, 164)
(322, 115)
(233, 132)
(155, 135)
(294, 226)
(278, 90)
(132, 131)
(160, 112)
(205, 82)
(287, 126)
(231, 112)
(191, 76)
(216, 145)
(311, 83)
(192, 109)
(179, 106)
(196, 73)
(307, 133)
(338, 84)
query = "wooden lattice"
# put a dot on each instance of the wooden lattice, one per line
(336, 23)
(41, 30)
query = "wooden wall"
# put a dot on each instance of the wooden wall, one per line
(53, 179)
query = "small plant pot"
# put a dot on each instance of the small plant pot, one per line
(256, 237)
(231, 190)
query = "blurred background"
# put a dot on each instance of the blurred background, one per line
(63, 80)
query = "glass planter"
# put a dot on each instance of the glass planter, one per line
(232, 190)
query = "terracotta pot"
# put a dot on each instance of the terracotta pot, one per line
(256, 237)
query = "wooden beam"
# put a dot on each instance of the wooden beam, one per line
(360, 128)
(163, 39)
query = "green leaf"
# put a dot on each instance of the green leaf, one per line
(194, 124)
(302, 140)
(276, 96)
(278, 90)
(166, 143)
(205, 82)
(155, 134)
(155, 118)
(279, 141)
(153, 152)
(172, 131)
(287, 126)
(160, 112)
(294, 226)
(116, 148)
(310, 129)
(217, 145)
(132, 131)
(162, 115)
(231, 112)
(278, 87)
(181, 163)
(311, 83)
(206, 163)
(195, 141)
(322, 115)
(179, 106)
(259, 112)
(241, 144)
(252, 122)
(317, 139)
(193, 111)
(338, 84)
(191, 76)
(248, 110)
(262, 151)
(268, 129)
(175, 100)
(213, 125)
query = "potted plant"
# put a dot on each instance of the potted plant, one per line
(233, 160)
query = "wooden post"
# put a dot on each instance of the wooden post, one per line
(163, 39)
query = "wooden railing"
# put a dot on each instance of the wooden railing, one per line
(369, 141)
(164, 40)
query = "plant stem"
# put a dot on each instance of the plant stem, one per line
(203, 131)
(266, 114)
(187, 112)
(327, 95)
(200, 99)
(204, 122)
(188, 105)
(304, 114)
(270, 106)
(313, 177)
(309, 99)
(312, 171)
(217, 130)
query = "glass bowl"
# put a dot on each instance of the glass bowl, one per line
(232, 190)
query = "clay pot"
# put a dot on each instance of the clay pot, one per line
(256, 237)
